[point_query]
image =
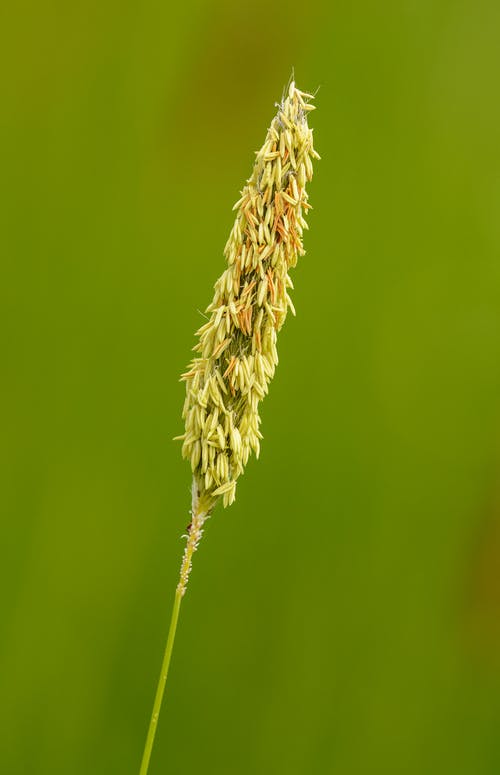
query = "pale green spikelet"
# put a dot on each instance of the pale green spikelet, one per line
(237, 353)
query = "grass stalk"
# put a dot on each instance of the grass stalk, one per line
(195, 532)
(161, 684)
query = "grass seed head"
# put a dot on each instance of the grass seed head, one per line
(236, 353)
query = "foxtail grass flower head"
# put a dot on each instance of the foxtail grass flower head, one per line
(236, 353)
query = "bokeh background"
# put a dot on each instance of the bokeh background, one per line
(343, 617)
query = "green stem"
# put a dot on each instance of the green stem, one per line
(161, 684)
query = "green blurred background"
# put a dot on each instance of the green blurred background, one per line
(344, 615)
